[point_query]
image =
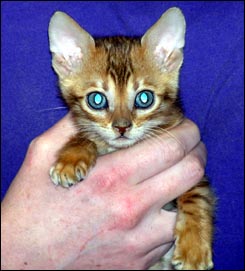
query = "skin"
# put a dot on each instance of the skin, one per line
(111, 220)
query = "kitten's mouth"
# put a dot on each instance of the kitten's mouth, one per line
(122, 137)
(122, 142)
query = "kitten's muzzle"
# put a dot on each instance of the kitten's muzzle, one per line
(122, 125)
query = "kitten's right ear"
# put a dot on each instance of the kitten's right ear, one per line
(165, 40)
(68, 44)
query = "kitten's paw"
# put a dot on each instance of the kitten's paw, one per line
(67, 175)
(69, 170)
(74, 161)
(192, 257)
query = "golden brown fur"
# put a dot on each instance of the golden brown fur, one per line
(120, 68)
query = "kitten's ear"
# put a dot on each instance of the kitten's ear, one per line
(69, 43)
(166, 38)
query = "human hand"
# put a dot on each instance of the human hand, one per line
(111, 220)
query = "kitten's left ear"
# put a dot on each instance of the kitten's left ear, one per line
(69, 43)
(166, 38)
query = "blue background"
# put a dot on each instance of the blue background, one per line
(211, 88)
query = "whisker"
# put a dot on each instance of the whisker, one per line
(175, 138)
(153, 135)
(50, 109)
(154, 132)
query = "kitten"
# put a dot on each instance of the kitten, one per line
(121, 90)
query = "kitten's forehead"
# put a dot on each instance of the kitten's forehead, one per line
(120, 66)
(126, 60)
(118, 53)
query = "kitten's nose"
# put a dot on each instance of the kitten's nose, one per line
(122, 125)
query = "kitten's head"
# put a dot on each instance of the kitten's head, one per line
(119, 89)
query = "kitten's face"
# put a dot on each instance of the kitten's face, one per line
(120, 90)
(120, 96)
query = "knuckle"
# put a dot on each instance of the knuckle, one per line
(103, 183)
(193, 127)
(39, 144)
(126, 213)
(111, 178)
(195, 167)
(196, 129)
(172, 150)
(36, 149)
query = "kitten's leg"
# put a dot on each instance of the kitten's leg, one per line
(194, 229)
(165, 262)
(73, 162)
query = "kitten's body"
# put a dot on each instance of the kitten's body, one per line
(122, 90)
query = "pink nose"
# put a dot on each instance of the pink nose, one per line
(122, 125)
(121, 130)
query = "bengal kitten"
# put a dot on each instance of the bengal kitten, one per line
(119, 90)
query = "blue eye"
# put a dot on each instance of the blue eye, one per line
(97, 101)
(144, 99)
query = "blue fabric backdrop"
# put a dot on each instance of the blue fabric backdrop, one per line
(211, 89)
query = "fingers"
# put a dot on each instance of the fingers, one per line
(158, 226)
(152, 156)
(171, 183)
(157, 231)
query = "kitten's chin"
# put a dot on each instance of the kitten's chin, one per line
(122, 142)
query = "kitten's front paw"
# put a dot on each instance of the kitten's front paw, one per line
(192, 256)
(67, 175)
(69, 170)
